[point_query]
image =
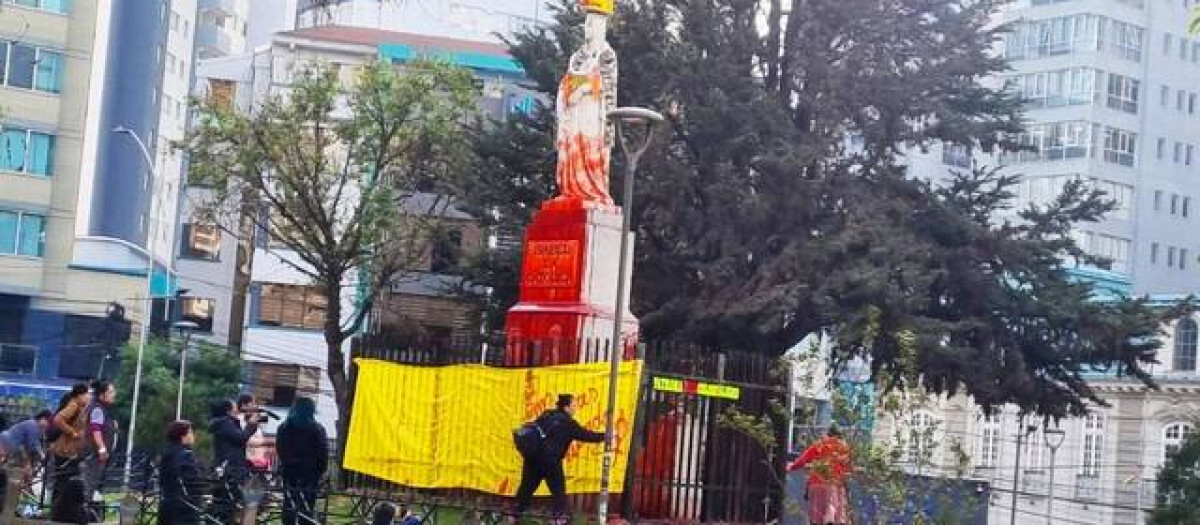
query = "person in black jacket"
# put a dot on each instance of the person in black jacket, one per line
(561, 429)
(229, 457)
(303, 451)
(179, 478)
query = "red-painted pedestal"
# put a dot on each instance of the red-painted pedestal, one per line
(569, 288)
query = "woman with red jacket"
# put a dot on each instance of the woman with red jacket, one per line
(829, 466)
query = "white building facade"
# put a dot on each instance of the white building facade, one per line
(1112, 100)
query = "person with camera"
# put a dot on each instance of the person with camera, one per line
(259, 446)
(230, 437)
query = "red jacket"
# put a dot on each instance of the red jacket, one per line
(829, 458)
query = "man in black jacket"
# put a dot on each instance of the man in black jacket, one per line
(179, 478)
(560, 429)
(229, 454)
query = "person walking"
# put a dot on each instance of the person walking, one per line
(179, 477)
(102, 431)
(67, 450)
(229, 437)
(303, 451)
(829, 464)
(560, 430)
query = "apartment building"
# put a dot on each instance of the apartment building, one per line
(1112, 100)
(81, 211)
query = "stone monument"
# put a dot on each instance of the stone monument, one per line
(569, 271)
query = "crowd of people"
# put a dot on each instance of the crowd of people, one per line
(73, 446)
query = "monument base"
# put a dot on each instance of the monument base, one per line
(569, 289)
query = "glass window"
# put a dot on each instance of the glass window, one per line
(989, 441)
(3, 62)
(291, 306)
(1174, 435)
(1164, 94)
(41, 153)
(1174, 204)
(22, 233)
(13, 145)
(1158, 200)
(1178, 156)
(8, 231)
(21, 63)
(1187, 201)
(49, 71)
(201, 242)
(1123, 93)
(1191, 104)
(1093, 445)
(1160, 148)
(1120, 146)
(1187, 157)
(199, 311)
(1171, 256)
(31, 238)
(1153, 253)
(1183, 255)
(921, 437)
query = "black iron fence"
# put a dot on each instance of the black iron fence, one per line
(686, 463)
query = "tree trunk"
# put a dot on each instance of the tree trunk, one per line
(335, 364)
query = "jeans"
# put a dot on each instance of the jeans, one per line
(533, 472)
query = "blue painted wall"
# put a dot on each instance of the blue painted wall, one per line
(130, 99)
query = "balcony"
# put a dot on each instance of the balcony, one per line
(221, 8)
(212, 41)
(1087, 487)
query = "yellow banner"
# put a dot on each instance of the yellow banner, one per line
(451, 427)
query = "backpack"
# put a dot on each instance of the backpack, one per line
(528, 439)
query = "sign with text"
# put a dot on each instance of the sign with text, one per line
(697, 388)
(551, 264)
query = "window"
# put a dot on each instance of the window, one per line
(1191, 103)
(1126, 40)
(1123, 93)
(1121, 194)
(1063, 87)
(1195, 53)
(1174, 435)
(1153, 253)
(54, 6)
(1093, 445)
(1120, 146)
(1160, 148)
(1187, 158)
(445, 250)
(1178, 153)
(199, 311)
(1180, 99)
(1114, 249)
(22, 233)
(28, 67)
(1183, 48)
(921, 438)
(1054, 141)
(292, 306)
(956, 155)
(1183, 208)
(1069, 34)
(201, 241)
(1164, 94)
(1158, 200)
(26, 151)
(1166, 47)
(1174, 204)
(1183, 258)
(989, 441)
(1170, 256)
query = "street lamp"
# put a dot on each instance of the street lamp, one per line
(1054, 438)
(621, 117)
(1016, 488)
(185, 330)
(144, 336)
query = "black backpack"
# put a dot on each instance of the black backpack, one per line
(528, 439)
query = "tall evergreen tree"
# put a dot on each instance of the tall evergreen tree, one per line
(778, 202)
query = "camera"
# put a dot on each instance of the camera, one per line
(260, 415)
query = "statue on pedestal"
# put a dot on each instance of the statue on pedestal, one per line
(586, 94)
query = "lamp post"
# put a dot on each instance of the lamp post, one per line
(1024, 431)
(621, 117)
(144, 336)
(185, 330)
(1054, 438)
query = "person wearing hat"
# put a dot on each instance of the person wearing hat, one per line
(829, 464)
(560, 430)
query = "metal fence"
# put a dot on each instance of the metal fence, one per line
(687, 464)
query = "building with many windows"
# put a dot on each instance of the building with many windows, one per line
(81, 211)
(1111, 99)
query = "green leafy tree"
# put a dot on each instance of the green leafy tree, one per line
(330, 168)
(1179, 486)
(213, 373)
(778, 202)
